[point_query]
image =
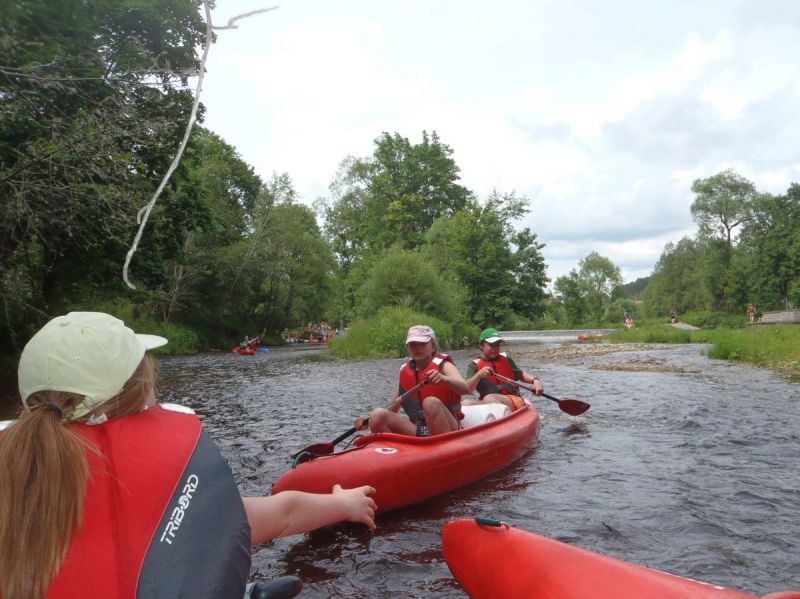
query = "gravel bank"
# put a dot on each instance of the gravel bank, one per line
(587, 354)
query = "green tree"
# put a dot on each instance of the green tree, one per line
(295, 266)
(231, 198)
(722, 203)
(530, 275)
(587, 292)
(772, 238)
(394, 196)
(94, 100)
(407, 279)
(502, 269)
(571, 295)
(678, 280)
(599, 277)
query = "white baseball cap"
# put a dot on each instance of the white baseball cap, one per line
(420, 334)
(87, 353)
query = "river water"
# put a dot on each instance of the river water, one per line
(689, 466)
(683, 464)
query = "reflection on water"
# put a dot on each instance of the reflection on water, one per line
(693, 473)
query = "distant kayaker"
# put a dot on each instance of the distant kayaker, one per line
(433, 409)
(481, 374)
(105, 492)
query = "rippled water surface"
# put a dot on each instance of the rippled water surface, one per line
(692, 472)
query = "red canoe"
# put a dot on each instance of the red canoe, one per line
(246, 351)
(405, 470)
(541, 568)
(589, 337)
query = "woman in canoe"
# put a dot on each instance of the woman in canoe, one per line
(481, 374)
(435, 407)
(105, 492)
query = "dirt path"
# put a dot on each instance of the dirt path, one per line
(683, 325)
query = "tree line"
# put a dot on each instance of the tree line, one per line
(746, 251)
(95, 99)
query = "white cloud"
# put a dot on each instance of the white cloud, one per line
(602, 114)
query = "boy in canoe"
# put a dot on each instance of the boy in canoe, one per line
(481, 374)
(429, 391)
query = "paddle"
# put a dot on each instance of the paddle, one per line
(320, 449)
(573, 407)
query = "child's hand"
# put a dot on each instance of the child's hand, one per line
(484, 372)
(435, 377)
(357, 503)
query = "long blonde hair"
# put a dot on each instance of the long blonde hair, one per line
(43, 476)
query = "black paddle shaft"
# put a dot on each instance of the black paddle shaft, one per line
(573, 407)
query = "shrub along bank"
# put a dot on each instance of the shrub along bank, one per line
(383, 335)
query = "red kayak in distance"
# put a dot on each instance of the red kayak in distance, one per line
(405, 470)
(246, 351)
(495, 560)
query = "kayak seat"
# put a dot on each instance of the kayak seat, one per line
(480, 413)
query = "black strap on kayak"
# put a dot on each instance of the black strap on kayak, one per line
(490, 522)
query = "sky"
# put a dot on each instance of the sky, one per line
(602, 114)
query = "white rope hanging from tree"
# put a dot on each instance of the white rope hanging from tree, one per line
(144, 213)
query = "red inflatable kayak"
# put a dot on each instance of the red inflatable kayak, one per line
(405, 470)
(500, 561)
(246, 351)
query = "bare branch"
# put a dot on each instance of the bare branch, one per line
(232, 20)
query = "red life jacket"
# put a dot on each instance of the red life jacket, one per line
(162, 514)
(410, 376)
(502, 366)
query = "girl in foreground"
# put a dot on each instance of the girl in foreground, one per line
(104, 492)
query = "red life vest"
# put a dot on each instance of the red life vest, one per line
(501, 366)
(162, 514)
(410, 376)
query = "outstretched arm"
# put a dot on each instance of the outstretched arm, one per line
(537, 384)
(293, 512)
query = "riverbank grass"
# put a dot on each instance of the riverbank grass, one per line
(771, 346)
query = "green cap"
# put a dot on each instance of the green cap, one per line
(490, 336)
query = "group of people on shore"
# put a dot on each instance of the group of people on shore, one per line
(104, 488)
(312, 332)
